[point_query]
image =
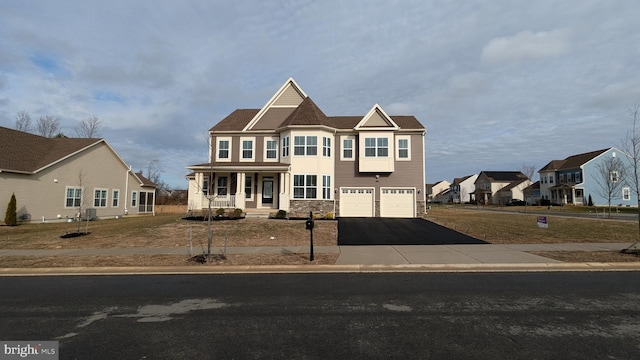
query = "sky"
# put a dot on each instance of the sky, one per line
(498, 84)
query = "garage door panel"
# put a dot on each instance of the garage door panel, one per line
(397, 202)
(356, 202)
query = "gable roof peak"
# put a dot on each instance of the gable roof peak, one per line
(376, 119)
(290, 95)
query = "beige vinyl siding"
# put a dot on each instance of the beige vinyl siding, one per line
(43, 194)
(376, 120)
(290, 97)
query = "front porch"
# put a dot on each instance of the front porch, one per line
(253, 190)
(567, 194)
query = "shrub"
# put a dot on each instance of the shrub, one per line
(237, 213)
(11, 217)
(220, 212)
(281, 214)
(328, 215)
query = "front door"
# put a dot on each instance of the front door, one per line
(267, 191)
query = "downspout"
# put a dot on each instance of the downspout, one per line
(126, 190)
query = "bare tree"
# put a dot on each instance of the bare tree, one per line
(610, 176)
(528, 170)
(153, 173)
(631, 147)
(48, 126)
(23, 121)
(89, 127)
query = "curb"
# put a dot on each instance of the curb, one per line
(319, 269)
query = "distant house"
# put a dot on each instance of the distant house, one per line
(58, 178)
(463, 189)
(576, 179)
(438, 192)
(500, 187)
(290, 156)
(532, 193)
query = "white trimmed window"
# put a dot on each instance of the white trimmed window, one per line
(305, 145)
(224, 148)
(403, 152)
(73, 198)
(376, 147)
(347, 149)
(326, 187)
(246, 153)
(326, 146)
(100, 198)
(285, 146)
(115, 198)
(626, 194)
(613, 176)
(134, 199)
(223, 186)
(271, 150)
(305, 186)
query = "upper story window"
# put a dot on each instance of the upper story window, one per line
(578, 176)
(376, 147)
(550, 179)
(626, 194)
(403, 152)
(247, 150)
(305, 145)
(223, 149)
(347, 148)
(326, 146)
(271, 149)
(285, 146)
(613, 176)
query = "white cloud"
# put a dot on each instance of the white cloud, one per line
(526, 45)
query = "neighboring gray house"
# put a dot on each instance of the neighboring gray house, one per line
(500, 187)
(56, 178)
(575, 179)
(288, 155)
(532, 194)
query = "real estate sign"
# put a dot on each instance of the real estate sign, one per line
(542, 222)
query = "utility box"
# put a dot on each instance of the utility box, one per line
(91, 214)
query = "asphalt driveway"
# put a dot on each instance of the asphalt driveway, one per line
(391, 231)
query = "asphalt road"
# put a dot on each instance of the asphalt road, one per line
(329, 316)
(391, 231)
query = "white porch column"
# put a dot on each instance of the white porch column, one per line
(240, 195)
(285, 179)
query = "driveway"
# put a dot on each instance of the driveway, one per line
(390, 231)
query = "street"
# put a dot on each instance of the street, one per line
(325, 316)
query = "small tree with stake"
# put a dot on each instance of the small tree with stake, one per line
(11, 217)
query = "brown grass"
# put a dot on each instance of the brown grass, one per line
(521, 228)
(162, 260)
(167, 230)
(588, 256)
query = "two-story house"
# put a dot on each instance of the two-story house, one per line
(288, 155)
(500, 187)
(463, 189)
(578, 177)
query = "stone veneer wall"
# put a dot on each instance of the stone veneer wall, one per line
(301, 208)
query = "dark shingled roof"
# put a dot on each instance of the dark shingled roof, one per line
(572, 162)
(505, 176)
(308, 113)
(24, 152)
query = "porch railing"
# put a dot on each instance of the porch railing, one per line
(228, 202)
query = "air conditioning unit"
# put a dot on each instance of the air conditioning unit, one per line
(91, 214)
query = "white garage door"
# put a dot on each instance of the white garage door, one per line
(397, 202)
(356, 202)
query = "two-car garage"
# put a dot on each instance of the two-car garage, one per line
(361, 202)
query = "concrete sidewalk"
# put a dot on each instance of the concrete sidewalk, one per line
(371, 255)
